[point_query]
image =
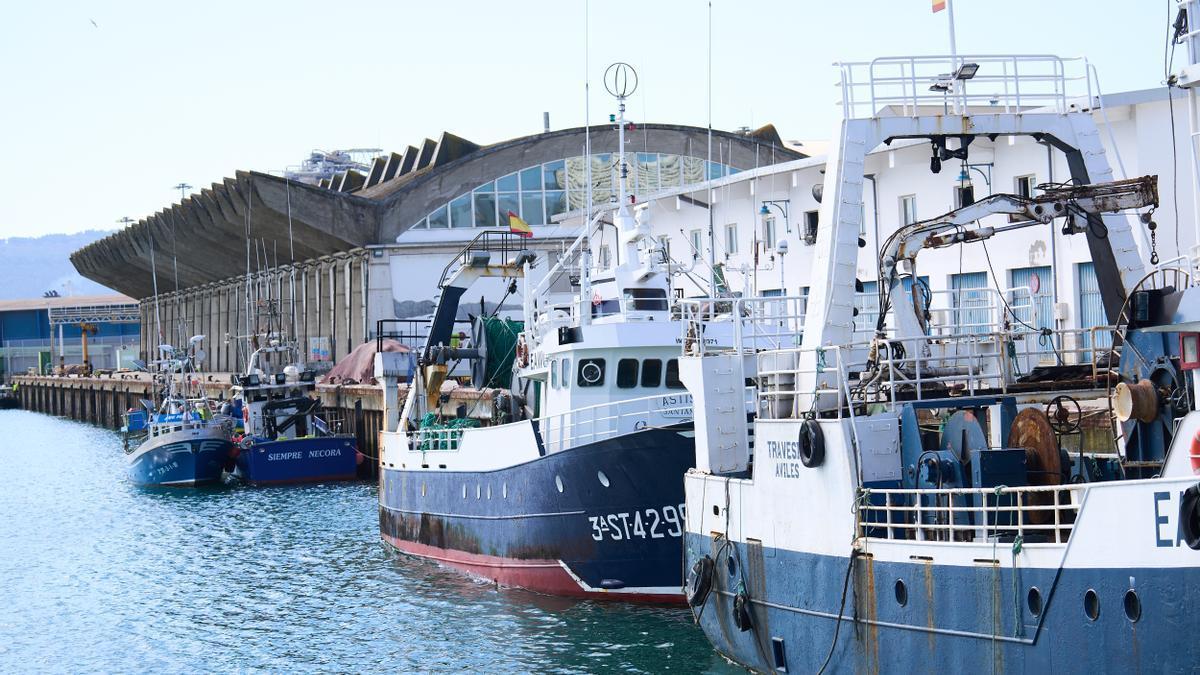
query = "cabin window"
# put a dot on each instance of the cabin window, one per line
(591, 372)
(606, 307)
(554, 374)
(646, 299)
(673, 381)
(565, 377)
(652, 373)
(627, 373)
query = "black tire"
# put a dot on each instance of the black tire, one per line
(741, 612)
(1189, 517)
(812, 444)
(699, 581)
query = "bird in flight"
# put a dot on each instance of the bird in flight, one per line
(94, 23)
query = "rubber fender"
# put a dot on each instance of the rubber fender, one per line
(812, 444)
(741, 612)
(699, 581)
(1189, 517)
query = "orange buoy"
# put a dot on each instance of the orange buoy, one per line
(1194, 453)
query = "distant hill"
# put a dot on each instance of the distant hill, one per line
(30, 266)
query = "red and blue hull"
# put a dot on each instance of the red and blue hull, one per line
(299, 460)
(612, 530)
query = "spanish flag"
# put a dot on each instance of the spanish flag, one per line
(518, 226)
(938, 5)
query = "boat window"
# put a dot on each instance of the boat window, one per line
(591, 372)
(627, 373)
(673, 381)
(554, 373)
(565, 381)
(605, 307)
(652, 373)
(646, 299)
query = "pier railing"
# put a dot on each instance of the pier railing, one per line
(1008, 83)
(1037, 514)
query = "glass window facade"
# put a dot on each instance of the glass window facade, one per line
(538, 193)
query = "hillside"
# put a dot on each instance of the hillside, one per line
(30, 266)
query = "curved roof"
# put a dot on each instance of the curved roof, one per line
(302, 221)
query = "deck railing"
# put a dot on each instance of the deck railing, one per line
(1037, 514)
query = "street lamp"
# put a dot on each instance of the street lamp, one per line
(781, 205)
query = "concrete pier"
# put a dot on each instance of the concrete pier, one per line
(102, 401)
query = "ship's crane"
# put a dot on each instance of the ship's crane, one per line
(1074, 203)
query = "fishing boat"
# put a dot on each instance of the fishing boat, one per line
(284, 436)
(925, 499)
(558, 468)
(8, 398)
(182, 441)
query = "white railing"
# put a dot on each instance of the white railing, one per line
(1037, 514)
(1008, 83)
(581, 425)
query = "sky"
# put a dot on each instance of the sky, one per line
(106, 106)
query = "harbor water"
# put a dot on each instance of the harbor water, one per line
(98, 575)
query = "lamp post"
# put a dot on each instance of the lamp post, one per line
(781, 205)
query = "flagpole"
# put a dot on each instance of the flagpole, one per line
(953, 46)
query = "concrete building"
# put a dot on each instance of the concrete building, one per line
(325, 262)
(45, 332)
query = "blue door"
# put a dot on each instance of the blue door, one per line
(970, 304)
(1032, 309)
(1091, 310)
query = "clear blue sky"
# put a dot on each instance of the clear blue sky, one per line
(99, 121)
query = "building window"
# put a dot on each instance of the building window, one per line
(1023, 185)
(769, 233)
(627, 373)
(731, 239)
(908, 209)
(697, 243)
(964, 195)
(652, 373)
(811, 218)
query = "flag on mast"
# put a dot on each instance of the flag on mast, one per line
(938, 5)
(518, 227)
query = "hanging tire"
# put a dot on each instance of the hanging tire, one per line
(1189, 517)
(812, 444)
(699, 581)
(741, 612)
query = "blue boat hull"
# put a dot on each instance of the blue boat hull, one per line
(301, 460)
(953, 618)
(516, 526)
(179, 462)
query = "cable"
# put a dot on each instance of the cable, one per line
(841, 609)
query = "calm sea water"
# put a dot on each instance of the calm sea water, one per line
(97, 575)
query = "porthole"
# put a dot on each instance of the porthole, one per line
(1133, 606)
(600, 476)
(504, 491)
(1034, 600)
(590, 374)
(1091, 604)
(716, 510)
(464, 490)
(558, 483)
(731, 565)
(489, 492)
(422, 489)
(478, 492)
(901, 593)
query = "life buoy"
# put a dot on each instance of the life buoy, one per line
(812, 444)
(1189, 517)
(699, 581)
(1194, 453)
(522, 352)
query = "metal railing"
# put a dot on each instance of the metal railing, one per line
(1007, 83)
(1037, 514)
(502, 242)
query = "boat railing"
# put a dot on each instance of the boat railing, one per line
(1035, 514)
(606, 420)
(1008, 83)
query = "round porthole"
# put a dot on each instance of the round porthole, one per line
(1091, 604)
(600, 476)
(731, 566)
(901, 593)
(716, 510)
(1133, 606)
(558, 483)
(1034, 600)
(591, 373)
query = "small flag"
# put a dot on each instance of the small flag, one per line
(938, 5)
(518, 226)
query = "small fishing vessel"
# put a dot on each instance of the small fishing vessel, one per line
(285, 437)
(181, 441)
(8, 398)
(559, 468)
(926, 500)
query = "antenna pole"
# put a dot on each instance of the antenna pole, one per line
(712, 237)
